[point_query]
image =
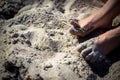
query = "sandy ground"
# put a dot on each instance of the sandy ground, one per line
(35, 43)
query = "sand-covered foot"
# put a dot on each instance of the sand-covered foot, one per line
(95, 49)
(91, 51)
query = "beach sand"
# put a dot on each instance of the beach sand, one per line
(35, 43)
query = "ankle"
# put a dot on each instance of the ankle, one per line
(102, 43)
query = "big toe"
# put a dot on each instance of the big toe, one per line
(74, 22)
(86, 51)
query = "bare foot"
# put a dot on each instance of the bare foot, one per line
(87, 25)
(95, 49)
(101, 19)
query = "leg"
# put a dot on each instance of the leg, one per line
(101, 19)
(109, 40)
(104, 1)
(105, 44)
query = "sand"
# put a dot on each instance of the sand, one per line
(36, 45)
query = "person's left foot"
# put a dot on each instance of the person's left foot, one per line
(91, 51)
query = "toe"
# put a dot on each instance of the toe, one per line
(76, 29)
(89, 57)
(74, 22)
(73, 31)
(87, 44)
(86, 51)
(76, 32)
(81, 47)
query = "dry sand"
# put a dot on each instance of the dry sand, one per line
(35, 43)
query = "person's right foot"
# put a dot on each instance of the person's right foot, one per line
(95, 49)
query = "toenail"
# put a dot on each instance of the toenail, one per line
(72, 31)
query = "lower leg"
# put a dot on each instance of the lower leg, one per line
(104, 16)
(107, 13)
(109, 40)
(101, 19)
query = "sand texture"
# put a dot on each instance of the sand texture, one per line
(35, 43)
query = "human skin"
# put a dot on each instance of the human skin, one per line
(101, 45)
(101, 19)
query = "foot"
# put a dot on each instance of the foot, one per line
(87, 25)
(91, 51)
(95, 49)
